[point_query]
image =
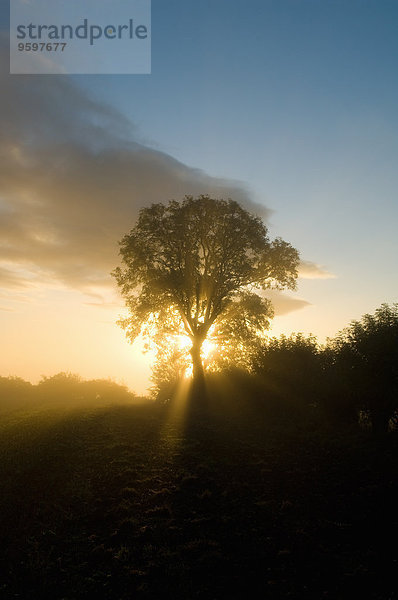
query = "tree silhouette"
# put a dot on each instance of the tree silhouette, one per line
(288, 371)
(291, 364)
(194, 267)
(366, 356)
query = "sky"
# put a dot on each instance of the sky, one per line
(288, 106)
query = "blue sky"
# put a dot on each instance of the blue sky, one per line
(299, 100)
(290, 104)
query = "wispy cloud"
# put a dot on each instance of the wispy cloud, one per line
(73, 177)
(284, 304)
(311, 270)
(104, 305)
(8, 279)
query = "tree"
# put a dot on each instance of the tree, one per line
(168, 371)
(289, 368)
(289, 362)
(366, 355)
(15, 392)
(191, 267)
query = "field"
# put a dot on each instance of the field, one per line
(132, 501)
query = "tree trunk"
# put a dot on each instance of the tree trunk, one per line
(198, 389)
(198, 370)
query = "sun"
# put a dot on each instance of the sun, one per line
(188, 371)
(208, 347)
(184, 344)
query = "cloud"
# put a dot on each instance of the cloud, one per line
(311, 270)
(284, 304)
(104, 305)
(73, 176)
(11, 280)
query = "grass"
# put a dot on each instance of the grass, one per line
(126, 502)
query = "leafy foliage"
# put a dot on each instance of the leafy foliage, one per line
(365, 354)
(290, 371)
(199, 264)
(14, 392)
(240, 332)
(170, 368)
(294, 354)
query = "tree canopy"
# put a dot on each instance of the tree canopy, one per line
(197, 267)
(365, 356)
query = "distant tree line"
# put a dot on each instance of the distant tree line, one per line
(62, 389)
